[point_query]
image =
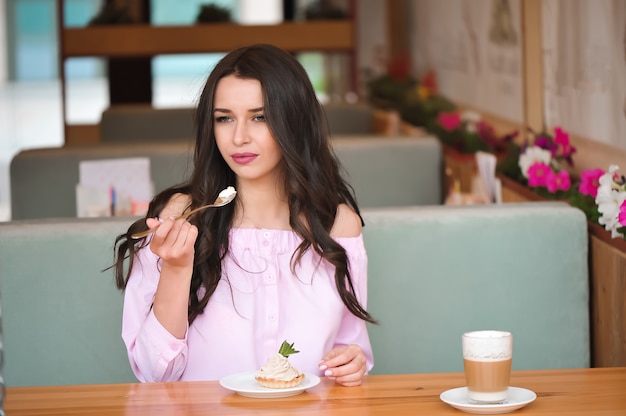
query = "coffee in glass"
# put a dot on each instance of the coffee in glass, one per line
(487, 357)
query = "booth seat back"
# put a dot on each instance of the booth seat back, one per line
(398, 171)
(51, 174)
(350, 119)
(61, 314)
(131, 123)
(383, 171)
(436, 272)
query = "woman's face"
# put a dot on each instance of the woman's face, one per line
(242, 134)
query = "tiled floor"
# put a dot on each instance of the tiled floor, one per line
(30, 115)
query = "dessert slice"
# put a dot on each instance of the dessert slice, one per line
(278, 373)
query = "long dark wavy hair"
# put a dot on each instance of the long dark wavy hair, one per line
(312, 180)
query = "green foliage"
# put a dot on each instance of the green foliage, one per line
(586, 204)
(286, 349)
(509, 165)
(402, 94)
(558, 195)
(460, 139)
(419, 104)
(422, 112)
(387, 93)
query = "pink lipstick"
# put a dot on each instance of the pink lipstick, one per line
(244, 158)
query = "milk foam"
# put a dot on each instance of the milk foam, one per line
(487, 345)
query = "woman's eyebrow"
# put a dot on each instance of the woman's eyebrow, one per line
(225, 110)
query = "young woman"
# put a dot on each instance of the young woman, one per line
(218, 293)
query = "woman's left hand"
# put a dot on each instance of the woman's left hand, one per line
(346, 365)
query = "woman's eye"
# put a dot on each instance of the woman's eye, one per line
(259, 117)
(222, 119)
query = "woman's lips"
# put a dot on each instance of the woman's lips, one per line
(244, 158)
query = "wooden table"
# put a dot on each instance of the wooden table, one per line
(599, 391)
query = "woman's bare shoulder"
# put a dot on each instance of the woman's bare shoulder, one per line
(347, 223)
(177, 204)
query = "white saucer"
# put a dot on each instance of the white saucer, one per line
(518, 398)
(246, 385)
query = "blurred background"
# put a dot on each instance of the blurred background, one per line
(31, 107)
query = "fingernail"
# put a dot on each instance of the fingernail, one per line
(328, 373)
(323, 367)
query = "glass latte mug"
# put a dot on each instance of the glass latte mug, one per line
(487, 359)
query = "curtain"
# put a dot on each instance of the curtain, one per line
(475, 47)
(584, 61)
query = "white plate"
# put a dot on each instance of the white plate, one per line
(246, 385)
(518, 398)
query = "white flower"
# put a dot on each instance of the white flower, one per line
(471, 119)
(471, 116)
(532, 155)
(609, 199)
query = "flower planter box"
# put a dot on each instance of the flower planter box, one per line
(607, 283)
(607, 271)
(515, 192)
(459, 167)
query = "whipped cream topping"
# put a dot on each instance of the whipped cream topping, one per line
(227, 193)
(278, 367)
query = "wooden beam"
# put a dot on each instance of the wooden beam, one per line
(398, 32)
(146, 40)
(532, 59)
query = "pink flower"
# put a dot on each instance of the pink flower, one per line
(590, 181)
(537, 174)
(558, 181)
(561, 137)
(486, 132)
(622, 214)
(449, 121)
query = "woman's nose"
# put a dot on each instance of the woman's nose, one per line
(241, 134)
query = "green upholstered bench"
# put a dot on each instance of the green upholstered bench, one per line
(61, 314)
(434, 272)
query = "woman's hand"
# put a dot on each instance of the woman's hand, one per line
(346, 365)
(174, 241)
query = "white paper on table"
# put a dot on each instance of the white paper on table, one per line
(113, 187)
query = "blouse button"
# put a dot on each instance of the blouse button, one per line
(266, 243)
(266, 234)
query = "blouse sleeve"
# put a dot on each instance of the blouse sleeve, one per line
(154, 353)
(354, 330)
